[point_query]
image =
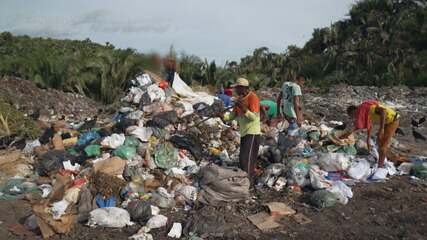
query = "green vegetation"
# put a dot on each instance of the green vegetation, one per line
(13, 122)
(381, 42)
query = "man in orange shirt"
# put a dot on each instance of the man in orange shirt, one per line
(247, 112)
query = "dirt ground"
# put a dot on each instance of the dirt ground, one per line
(391, 210)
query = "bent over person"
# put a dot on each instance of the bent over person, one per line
(247, 112)
(374, 112)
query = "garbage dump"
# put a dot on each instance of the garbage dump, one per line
(165, 150)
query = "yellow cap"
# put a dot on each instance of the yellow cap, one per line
(241, 82)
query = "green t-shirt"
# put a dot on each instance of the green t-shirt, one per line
(289, 91)
(272, 108)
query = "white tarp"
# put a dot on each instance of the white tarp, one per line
(182, 89)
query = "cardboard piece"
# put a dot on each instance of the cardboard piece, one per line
(263, 221)
(48, 225)
(301, 219)
(278, 209)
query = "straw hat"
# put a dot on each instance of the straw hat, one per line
(241, 82)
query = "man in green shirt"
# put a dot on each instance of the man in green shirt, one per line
(290, 101)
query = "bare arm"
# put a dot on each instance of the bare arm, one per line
(279, 103)
(297, 107)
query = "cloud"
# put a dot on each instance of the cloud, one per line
(103, 21)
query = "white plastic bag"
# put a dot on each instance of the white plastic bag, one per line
(404, 168)
(175, 231)
(157, 221)
(182, 89)
(342, 191)
(109, 217)
(156, 93)
(136, 115)
(29, 146)
(189, 192)
(380, 174)
(359, 169)
(142, 133)
(114, 141)
(390, 168)
(58, 208)
(142, 234)
(317, 178)
(332, 162)
(143, 80)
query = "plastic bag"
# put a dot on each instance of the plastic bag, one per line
(189, 192)
(317, 178)
(333, 162)
(341, 191)
(125, 152)
(142, 133)
(140, 211)
(190, 143)
(166, 156)
(379, 174)
(88, 137)
(163, 119)
(271, 173)
(93, 150)
(359, 169)
(157, 221)
(163, 199)
(109, 217)
(131, 142)
(419, 169)
(175, 231)
(299, 173)
(103, 203)
(323, 199)
(156, 94)
(143, 80)
(113, 141)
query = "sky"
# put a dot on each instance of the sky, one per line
(217, 30)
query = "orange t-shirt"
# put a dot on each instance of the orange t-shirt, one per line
(251, 101)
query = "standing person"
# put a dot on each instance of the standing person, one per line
(170, 67)
(290, 101)
(374, 112)
(228, 102)
(247, 112)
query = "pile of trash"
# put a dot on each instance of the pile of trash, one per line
(165, 150)
(316, 159)
(158, 153)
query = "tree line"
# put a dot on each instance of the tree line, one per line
(380, 42)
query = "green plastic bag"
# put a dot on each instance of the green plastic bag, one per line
(93, 150)
(166, 156)
(72, 151)
(15, 188)
(125, 152)
(131, 142)
(323, 199)
(419, 169)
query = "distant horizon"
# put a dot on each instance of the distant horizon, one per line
(221, 31)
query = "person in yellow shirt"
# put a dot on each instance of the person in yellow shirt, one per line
(374, 112)
(247, 112)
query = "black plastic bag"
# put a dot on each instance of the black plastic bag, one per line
(163, 119)
(190, 143)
